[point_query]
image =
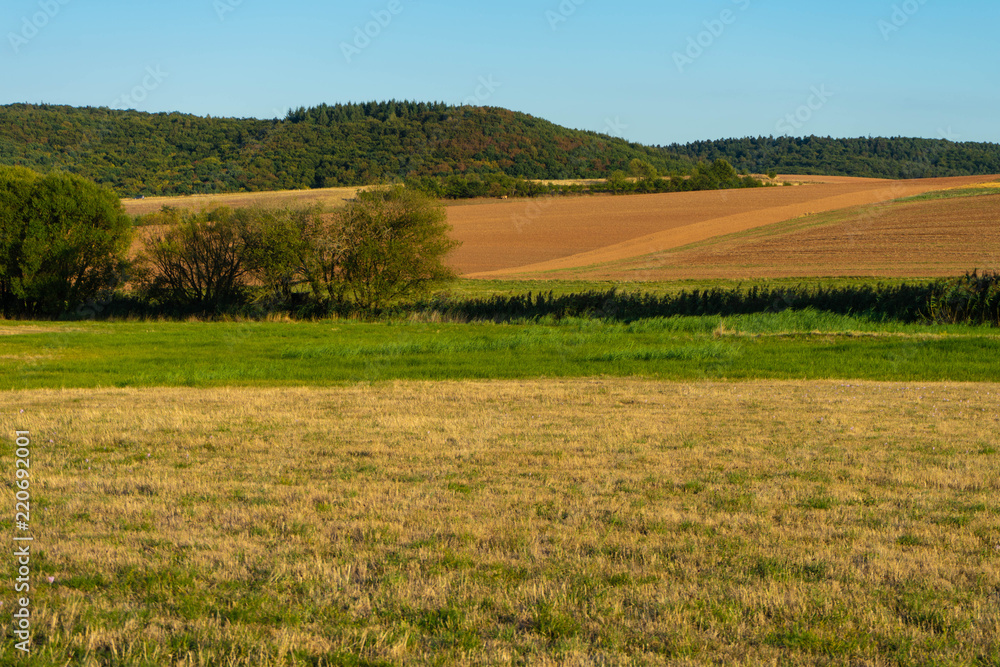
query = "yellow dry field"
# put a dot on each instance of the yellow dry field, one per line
(330, 197)
(569, 181)
(570, 522)
(979, 186)
(537, 238)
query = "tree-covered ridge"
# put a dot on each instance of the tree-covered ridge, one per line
(898, 157)
(344, 144)
(359, 144)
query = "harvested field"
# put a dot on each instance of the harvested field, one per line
(920, 239)
(329, 196)
(532, 238)
(592, 521)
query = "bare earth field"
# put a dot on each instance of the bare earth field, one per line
(570, 522)
(919, 240)
(533, 238)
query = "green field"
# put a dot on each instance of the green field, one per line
(955, 193)
(793, 344)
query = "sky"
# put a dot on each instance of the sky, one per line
(651, 72)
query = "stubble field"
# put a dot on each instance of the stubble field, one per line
(591, 521)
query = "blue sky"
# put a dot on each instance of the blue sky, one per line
(652, 72)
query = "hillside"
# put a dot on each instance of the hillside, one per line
(327, 146)
(358, 144)
(874, 157)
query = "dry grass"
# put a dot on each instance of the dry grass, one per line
(988, 185)
(543, 522)
(331, 197)
(570, 181)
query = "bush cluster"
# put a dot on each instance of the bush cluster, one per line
(64, 243)
(386, 244)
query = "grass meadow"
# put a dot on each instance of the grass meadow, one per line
(594, 521)
(789, 345)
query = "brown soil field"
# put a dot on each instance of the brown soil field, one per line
(535, 238)
(922, 239)
(329, 196)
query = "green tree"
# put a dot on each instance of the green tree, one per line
(274, 248)
(618, 182)
(63, 241)
(392, 243)
(723, 173)
(642, 169)
(388, 243)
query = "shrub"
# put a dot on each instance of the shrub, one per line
(972, 299)
(201, 262)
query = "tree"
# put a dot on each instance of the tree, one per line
(201, 262)
(386, 244)
(275, 249)
(391, 243)
(618, 182)
(647, 178)
(63, 241)
(642, 169)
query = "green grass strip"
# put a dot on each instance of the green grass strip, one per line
(793, 344)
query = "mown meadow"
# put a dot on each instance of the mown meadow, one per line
(545, 522)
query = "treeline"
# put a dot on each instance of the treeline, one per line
(970, 299)
(875, 157)
(642, 177)
(342, 145)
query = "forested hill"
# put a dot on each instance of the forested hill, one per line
(875, 157)
(355, 144)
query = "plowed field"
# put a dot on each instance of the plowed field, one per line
(559, 236)
(918, 239)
